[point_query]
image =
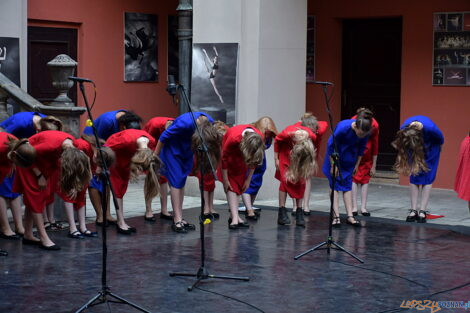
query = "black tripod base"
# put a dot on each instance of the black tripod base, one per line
(330, 244)
(203, 274)
(102, 297)
(3, 253)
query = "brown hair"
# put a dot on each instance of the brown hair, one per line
(220, 127)
(75, 171)
(410, 146)
(310, 121)
(145, 160)
(364, 119)
(266, 124)
(108, 154)
(50, 123)
(252, 148)
(21, 152)
(213, 140)
(302, 161)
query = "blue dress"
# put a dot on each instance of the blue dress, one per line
(433, 139)
(21, 125)
(350, 147)
(106, 125)
(257, 178)
(176, 154)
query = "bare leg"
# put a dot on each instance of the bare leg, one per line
(207, 208)
(425, 192)
(282, 198)
(414, 191)
(216, 91)
(70, 217)
(4, 224)
(308, 190)
(81, 219)
(365, 188)
(233, 200)
(16, 211)
(148, 208)
(120, 215)
(50, 213)
(164, 199)
(248, 205)
(95, 198)
(177, 196)
(39, 221)
(354, 197)
(28, 225)
(336, 203)
(347, 197)
(211, 201)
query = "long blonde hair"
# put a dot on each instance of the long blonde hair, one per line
(75, 171)
(252, 148)
(410, 146)
(266, 125)
(302, 161)
(145, 160)
(310, 121)
(213, 140)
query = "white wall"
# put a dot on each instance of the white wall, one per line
(14, 23)
(272, 36)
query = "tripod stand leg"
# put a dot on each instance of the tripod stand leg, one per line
(190, 288)
(344, 250)
(90, 302)
(122, 300)
(173, 274)
(310, 250)
(244, 278)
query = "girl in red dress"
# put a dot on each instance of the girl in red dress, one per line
(155, 127)
(319, 129)
(462, 179)
(366, 168)
(57, 160)
(294, 157)
(242, 152)
(134, 156)
(13, 152)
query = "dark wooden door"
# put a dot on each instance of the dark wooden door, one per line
(44, 44)
(372, 76)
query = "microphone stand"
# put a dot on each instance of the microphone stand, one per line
(105, 293)
(202, 273)
(330, 243)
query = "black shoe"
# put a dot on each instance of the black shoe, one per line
(299, 217)
(355, 213)
(253, 217)
(166, 217)
(50, 248)
(132, 229)
(232, 227)
(282, 217)
(3, 253)
(336, 222)
(89, 233)
(178, 227)
(258, 212)
(293, 212)
(150, 219)
(365, 213)
(216, 215)
(123, 231)
(419, 218)
(188, 226)
(109, 222)
(75, 235)
(30, 242)
(11, 237)
(356, 223)
(412, 218)
(307, 213)
(243, 225)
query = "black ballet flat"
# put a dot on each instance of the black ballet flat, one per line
(123, 231)
(188, 226)
(243, 225)
(233, 227)
(356, 223)
(419, 218)
(166, 217)
(178, 227)
(251, 217)
(132, 229)
(50, 248)
(150, 219)
(30, 242)
(412, 218)
(307, 213)
(355, 213)
(11, 237)
(365, 213)
(216, 215)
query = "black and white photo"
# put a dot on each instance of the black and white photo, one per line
(10, 58)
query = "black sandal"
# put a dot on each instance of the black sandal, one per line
(336, 222)
(419, 218)
(412, 218)
(188, 226)
(89, 233)
(178, 227)
(356, 223)
(75, 235)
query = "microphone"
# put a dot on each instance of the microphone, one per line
(171, 89)
(322, 83)
(80, 79)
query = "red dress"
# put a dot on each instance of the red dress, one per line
(362, 175)
(124, 144)
(5, 164)
(232, 157)
(155, 127)
(462, 179)
(48, 145)
(283, 145)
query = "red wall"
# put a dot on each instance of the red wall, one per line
(448, 107)
(100, 25)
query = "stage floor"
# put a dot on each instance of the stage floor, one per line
(402, 262)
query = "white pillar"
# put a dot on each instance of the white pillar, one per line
(272, 37)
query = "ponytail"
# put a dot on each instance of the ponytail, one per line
(145, 160)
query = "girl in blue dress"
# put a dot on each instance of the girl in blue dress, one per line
(351, 139)
(174, 149)
(267, 127)
(419, 143)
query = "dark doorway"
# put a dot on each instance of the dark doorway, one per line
(44, 44)
(372, 77)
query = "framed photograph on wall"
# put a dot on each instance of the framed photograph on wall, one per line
(451, 53)
(10, 58)
(173, 46)
(310, 73)
(214, 80)
(140, 47)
